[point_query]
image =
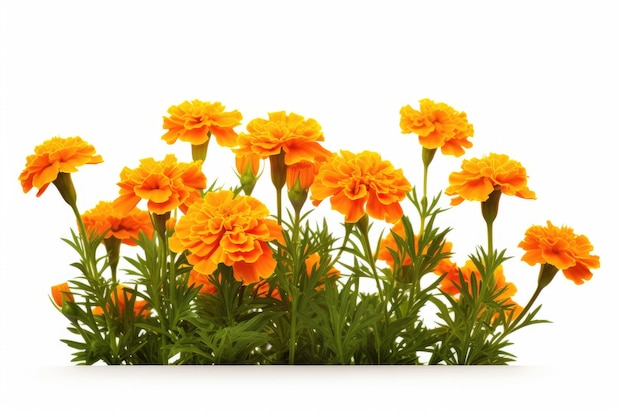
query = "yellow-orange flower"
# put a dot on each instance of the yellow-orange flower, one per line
(480, 176)
(262, 289)
(451, 282)
(562, 248)
(290, 133)
(61, 293)
(166, 185)
(198, 279)
(389, 245)
(438, 126)
(54, 156)
(222, 228)
(248, 168)
(104, 218)
(361, 183)
(120, 297)
(192, 121)
(313, 261)
(248, 164)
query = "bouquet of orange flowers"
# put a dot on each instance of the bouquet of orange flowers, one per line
(216, 278)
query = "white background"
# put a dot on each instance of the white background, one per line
(540, 81)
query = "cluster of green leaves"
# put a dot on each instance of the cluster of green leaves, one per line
(314, 317)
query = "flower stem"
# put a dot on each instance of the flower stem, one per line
(427, 158)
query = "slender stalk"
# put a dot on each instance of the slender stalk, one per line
(490, 238)
(293, 328)
(363, 226)
(427, 158)
(159, 223)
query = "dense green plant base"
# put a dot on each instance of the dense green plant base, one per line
(315, 319)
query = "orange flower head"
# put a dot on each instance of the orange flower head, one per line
(248, 164)
(54, 156)
(313, 261)
(452, 281)
(61, 293)
(248, 169)
(166, 185)
(361, 183)
(438, 125)
(389, 245)
(193, 121)
(297, 137)
(198, 279)
(104, 218)
(120, 297)
(263, 290)
(562, 248)
(303, 173)
(222, 228)
(480, 176)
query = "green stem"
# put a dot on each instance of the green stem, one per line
(427, 158)
(293, 329)
(363, 224)
(490, 238)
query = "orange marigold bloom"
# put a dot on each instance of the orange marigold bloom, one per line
(480, 176)
(313, 261)
(192, 121)
(120, 297)
(248, 164)
(104, 218)
(389, 245)
(452, 281)
(248, 168)
(361, 183)
(291, 133)
(61, 293)
(222, 228)
(54, 156)
(263, 290)
(198, 279)
(303, 172)
(166, 185)
(438, 126)
(562, 248)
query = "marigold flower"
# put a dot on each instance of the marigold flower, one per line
(262, 289)
(54, 156)
(120, 297)
(281, 132)
(104, 218)
(361, 183)
(480, 176)
(222, 228)
(198, 279)
(313, 261)
(61, 293)
(562, 248)
(192, 121)
(452, 281)
(248, 168)
(301, 174)
(299, 178)
(438, 126)
(166, 185)
(389, 245)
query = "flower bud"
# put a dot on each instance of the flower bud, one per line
(61, 293)
(248, 168)
(300, 176)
